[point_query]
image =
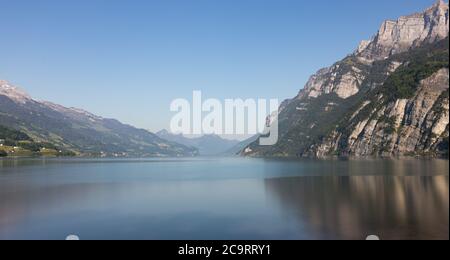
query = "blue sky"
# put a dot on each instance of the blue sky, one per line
(129, 59)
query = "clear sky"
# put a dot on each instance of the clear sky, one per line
(129, 59)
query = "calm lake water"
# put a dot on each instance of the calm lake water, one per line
(224, 199)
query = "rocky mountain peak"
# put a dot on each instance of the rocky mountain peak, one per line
(14, 93)
(439, 4)
(396, 36)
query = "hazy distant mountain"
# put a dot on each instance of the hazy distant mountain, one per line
(207, 145)
(389, 97)
(239, 147)
(79, 131)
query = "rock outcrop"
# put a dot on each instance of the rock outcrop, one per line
(342, 79)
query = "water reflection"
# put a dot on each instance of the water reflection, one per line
(343, 207)
(224, 199)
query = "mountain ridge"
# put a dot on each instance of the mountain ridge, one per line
(78, 130)
(337, 100)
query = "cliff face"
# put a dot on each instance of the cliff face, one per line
(390, 97)
(418, 125)
(345, 79)
(406, 32)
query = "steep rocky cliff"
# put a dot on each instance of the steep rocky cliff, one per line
(406, 32)
(389, 97)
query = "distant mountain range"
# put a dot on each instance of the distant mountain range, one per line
(390, 97)
(207, 145)
(78, 131)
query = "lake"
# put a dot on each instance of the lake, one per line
(224, 198)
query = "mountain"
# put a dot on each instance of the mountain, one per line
(17, 143)
(389, 97)
(236, 149)
(79, 131)
(207, 145)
